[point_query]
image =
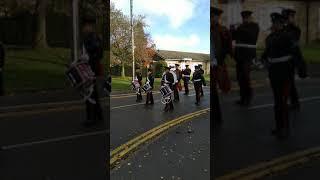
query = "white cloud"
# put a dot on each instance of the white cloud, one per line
(189, 43)
(178, 12)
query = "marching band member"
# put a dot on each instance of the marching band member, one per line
(139, 78)
(186, 78)
(150, 80)
(177, 71)
(245, 37)
(202, 72)
(92, 45)
(279, 56)
(198, 80)
(168, 79)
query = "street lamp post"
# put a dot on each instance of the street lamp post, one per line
(75, 28)
(132, 40)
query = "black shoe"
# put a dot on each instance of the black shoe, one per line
(152, 103)
(90, 123)
(239, 102)
(295, 106)
(281, 134)
(197, 103)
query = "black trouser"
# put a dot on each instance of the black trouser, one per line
(139, 94)
(201, 90)
(197, 88)
(294, 97)
(1, 83)
(186, 85)
(176, 92)
(169, 106)
(243, 76)
(280, 84)
(94, 111)
(149, 98)
(215, 104)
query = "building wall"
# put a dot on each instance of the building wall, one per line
(262, 10)
(191, 64)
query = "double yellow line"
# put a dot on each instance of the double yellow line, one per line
(274, 166)
(124, 150)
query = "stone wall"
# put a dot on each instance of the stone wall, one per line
(262, 10)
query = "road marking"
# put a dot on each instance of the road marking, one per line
(51, 140)
(273, 166)
(123, 151)
(271, 105)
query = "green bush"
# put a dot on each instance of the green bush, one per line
(159, 68)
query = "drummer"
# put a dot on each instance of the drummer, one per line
(168, 79)
(150, 80)
(92, 45)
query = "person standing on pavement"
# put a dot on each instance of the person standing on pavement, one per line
(202, 72)
(150, 80)
(245, 37)
(178, 73)
(198, 80)
(220, 47)
(92, 45)
(278, 55)
(186, 78)
(293, 30)
(168, 79)
(139, 78)
(2, 59)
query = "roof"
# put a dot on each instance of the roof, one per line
(182, 55)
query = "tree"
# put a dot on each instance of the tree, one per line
(121, 39)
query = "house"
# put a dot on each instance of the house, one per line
(183, 59)
(307, 17)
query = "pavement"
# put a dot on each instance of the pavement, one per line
(246, 141)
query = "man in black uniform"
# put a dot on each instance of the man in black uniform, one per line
(186, 78)
(198, 80)
(202, 73)
(245, 37)
(150, 80)
(168, 79)
(93, 46)
(294, 31)
(139, 78)
(220, 47)
(2, 57)
(279, 53)
(178, 73)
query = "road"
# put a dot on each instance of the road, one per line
(243, 142)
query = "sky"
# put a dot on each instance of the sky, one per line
(178, 25)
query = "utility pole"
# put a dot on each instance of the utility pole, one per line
(132, 40)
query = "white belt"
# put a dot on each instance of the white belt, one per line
(280, 59)
(186, 75)
(246, 46)
(197, 80)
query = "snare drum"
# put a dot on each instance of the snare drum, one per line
(165, 91)
(146, 88)
(80, 75)
(135, 85)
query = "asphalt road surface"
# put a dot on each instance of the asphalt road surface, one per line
(244, 138)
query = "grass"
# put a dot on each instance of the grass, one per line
(44, 69)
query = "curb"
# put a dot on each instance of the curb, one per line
(274, 166)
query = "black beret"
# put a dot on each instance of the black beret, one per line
(167, 68)
(177, 65)
(149, 69)
(216, 11)
(200, 65)
(288, 12)
(196, 67)
(276, 18)
(89, 19)
(245, 14)
(187, 65)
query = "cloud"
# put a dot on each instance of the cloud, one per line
(178, 12)
(189, 43)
